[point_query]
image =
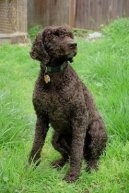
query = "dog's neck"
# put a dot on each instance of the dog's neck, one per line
(57, 68)
(56, 62)
(54, 65)
(55, 79)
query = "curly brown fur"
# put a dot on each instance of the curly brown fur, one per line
(65, 103)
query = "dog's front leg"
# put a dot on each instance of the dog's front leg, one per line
(79, 125)
(39, 139)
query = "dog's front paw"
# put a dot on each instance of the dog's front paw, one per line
(34, 159)
(58, 164)
(71, 177)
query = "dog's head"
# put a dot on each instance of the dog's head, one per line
(54, 43)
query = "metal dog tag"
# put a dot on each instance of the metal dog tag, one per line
(47, 78)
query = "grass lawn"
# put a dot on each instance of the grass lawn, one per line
(104, 66)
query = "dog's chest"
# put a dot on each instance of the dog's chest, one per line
(57, 105)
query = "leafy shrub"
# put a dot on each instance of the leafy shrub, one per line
(34, 30)
(118, 28)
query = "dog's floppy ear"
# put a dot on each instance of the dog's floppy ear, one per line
(38, 51)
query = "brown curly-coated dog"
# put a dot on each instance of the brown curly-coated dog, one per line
(62, 100)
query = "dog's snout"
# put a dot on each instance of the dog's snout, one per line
(72, 44)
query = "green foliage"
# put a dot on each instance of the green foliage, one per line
(34, 30)
(118, 28)
(103, 65)
(80, 32)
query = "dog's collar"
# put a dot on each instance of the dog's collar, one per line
(53, 69)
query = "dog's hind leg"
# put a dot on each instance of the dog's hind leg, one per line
(60, 144)
(95, 143)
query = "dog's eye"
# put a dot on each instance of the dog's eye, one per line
(56, 34)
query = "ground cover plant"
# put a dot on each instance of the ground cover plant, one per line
(103, 65)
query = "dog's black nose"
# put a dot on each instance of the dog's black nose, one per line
(72, 44)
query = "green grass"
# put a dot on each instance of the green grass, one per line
(104, 66)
